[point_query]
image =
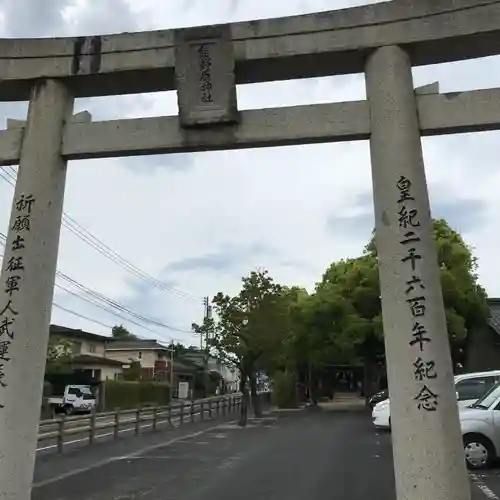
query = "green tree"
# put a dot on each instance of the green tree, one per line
(133, 373)
(359, 338)
(354, 283)
(245, 328)
(464, 299)
(179, 349)
(122, 333)
(59, 356)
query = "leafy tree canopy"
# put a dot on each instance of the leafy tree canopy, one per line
(59, 356)
(286, 330)
(247, 328)
(464, 298)
(122, 333)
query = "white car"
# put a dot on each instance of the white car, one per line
(480, 424)
(470, 387)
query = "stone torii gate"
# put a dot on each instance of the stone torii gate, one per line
(204, 65)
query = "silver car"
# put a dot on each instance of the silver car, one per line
(480, 424)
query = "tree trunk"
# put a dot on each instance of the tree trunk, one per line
(242, 422)
(314, 389)
(309, 380)
(257, 410)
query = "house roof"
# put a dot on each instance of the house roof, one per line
(86, 359)
(494, 320)
(134, 345)
(78, 334)
(181, 368)
(197, 357)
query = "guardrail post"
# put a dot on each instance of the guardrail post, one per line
(192, 411)
(224, 407)
(218, 407)
(182, 413)
(116, 428)
(137, 421)
(202, 410)
(60, 434)
(92, 428)
(155, 416)
(169, 414)
(209, 408)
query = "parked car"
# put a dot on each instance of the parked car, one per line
(470, 387)
(480, 424)
(377, 398)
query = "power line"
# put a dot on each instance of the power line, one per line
(91, 240)
(110, 306)
(54, 304)
(93, 320)
(117, 305)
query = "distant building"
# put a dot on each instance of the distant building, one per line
(152, 356)
(103, 358)
(89, 353)
(228, 372)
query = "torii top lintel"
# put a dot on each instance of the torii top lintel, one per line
(311, 45)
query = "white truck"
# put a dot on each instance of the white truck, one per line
(76, 399)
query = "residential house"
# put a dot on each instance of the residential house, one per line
(152, 356)
(482, 346)
(89, 353)
(229, 373)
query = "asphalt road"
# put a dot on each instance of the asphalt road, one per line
(297, 455)
(488, 483)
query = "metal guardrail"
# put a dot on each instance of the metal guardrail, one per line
(134, 420)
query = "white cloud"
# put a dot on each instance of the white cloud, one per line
(199, 222)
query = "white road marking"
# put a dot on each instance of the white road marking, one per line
(136, 454)
(486, 490)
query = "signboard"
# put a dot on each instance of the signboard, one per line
(183, 390)
(204, 68)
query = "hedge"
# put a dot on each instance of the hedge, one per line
(125, 395)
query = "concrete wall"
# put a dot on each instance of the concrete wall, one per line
(106, 372)
(147, 358)
(93, 348)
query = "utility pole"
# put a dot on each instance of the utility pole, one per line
(207, 315)
(171, 370)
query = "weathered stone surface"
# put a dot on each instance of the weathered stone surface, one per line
(204, 68)
(311, 45)
(427, 444)
(27, 283)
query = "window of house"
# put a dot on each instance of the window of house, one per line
(474, 388)
(160, 355)
(92, 348)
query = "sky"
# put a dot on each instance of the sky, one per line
(191, 225)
